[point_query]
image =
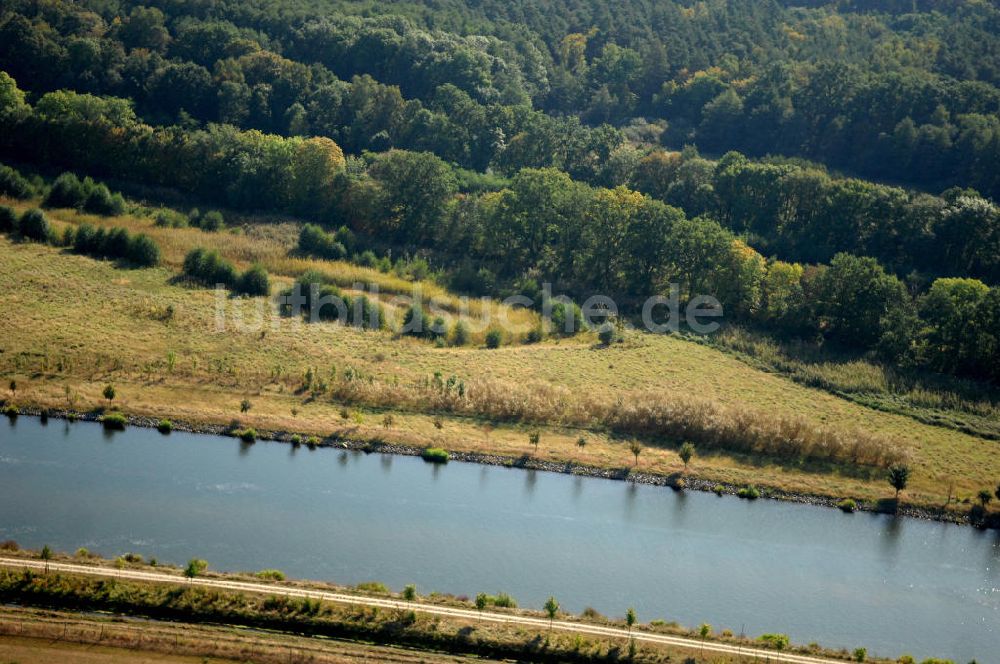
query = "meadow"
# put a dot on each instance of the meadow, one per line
(72, 325)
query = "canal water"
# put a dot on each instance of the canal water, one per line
(893, 585)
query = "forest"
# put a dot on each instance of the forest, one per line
(826, 169)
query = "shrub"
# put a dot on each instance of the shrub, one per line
(312, 441)
(11, 411)
(9, 545)
(13, 184)
(365, 313)
(567, 319)
(719, 489)
(143, 251)
(195, 567)
(460, 334)
(847, 505)
(8, 219)
(860, 654)
(254, 282)
(209, 268)
(101, 201)
(66, 192)
(750, 492)
(85, 240)
(116, 243)
(375, 587)
(114, 421)
(164, 426)
(34, 225)
(366, 258)
(606, 333)
(410, 592)
(167, 218)
(494, 338)
(435, 455)
(776, 641)
(248, 435)
(415, 322)
(504, 601)
(271, 575)
(212, 221)
(314, 241)
(46, 553)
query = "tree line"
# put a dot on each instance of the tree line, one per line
(570, 86)
(543, 226)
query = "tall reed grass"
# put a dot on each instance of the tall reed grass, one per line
(663, 417)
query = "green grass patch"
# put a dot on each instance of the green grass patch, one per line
(115, 421)
(435, 455)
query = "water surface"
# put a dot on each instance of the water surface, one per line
(893, 585)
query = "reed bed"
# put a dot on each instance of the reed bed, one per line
(662, 417)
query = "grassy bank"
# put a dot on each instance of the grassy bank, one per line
(73, 325)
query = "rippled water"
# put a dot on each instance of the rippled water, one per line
(892, 585)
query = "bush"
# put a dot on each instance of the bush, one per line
(415, 322)
(85, 240)
(314, 241)
(367, 258)
(34, 225)
(719, 489)
(606, 333)
(435, 455)
(460, 334)
(164, 426)
(494, 338)
(66, 192)
(254, 282)
(270, 575)
(375, 587)
(11, 411)
(9, 545)
(750, 492)
(116, 243)
(567, 319)
(115, 421)
(166, 218)
(209, 268)
(195, 567)
(8, 219)
(101, 201)
(212, 222)
(847, 505)
(504, 601)
(139, 250)
(776, 641)
(143, 251)
(13, 184)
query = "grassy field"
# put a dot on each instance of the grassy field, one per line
(71, 325)
(33, 636)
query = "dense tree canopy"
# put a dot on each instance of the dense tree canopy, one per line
(521, 141)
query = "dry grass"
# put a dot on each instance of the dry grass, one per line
(272, 245)
(30, 636)
(73, 323)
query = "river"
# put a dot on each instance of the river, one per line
(890, 584)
